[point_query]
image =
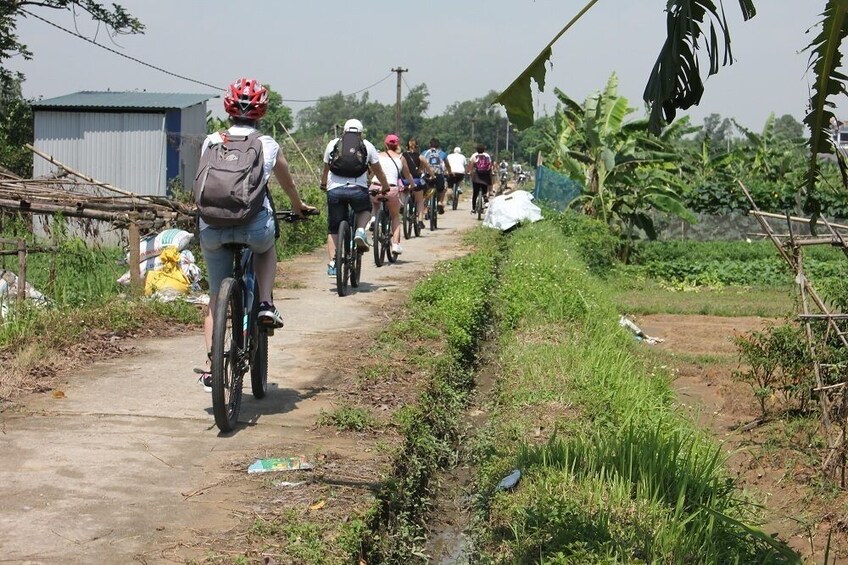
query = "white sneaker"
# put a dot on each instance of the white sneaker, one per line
(397, 249)
(361, 239)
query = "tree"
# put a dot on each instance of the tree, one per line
(624, 171)
(15, 111)
(675, 82)
(277, 114)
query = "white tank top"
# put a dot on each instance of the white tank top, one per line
(392, 171)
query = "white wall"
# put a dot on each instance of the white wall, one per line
(123, 149)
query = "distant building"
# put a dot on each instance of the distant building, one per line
(142, 142)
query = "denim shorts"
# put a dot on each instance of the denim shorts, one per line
(337, 204)
(258, 235)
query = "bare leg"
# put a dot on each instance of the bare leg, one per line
(266, 274)
(332, 243)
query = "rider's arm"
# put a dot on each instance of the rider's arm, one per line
(325, 173)
(281, 171)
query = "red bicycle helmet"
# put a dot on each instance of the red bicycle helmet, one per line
(246, 98)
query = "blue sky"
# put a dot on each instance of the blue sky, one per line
(461, 50)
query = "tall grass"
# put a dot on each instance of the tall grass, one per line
(624, 477)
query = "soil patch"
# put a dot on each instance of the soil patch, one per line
(775, 463)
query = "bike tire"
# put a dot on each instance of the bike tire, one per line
(226, 351)
(343, 258)
(479, 206)
(355, 268)
(387, 238)
(415, 227)
(408, 218)
(455, 198)
(377, 246)
(259, 351)
(434, 211)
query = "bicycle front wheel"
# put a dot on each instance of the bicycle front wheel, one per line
(258, 351)
(343, 251)
(227, 354)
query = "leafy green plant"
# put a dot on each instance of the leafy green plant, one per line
(347, 418)
(777, 366)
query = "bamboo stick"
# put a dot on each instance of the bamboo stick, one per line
(135, 253)
(22, 265)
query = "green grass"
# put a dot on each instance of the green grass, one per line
(348, 418)
(625, 478)
(651, 297)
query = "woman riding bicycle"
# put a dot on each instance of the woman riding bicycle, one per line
(246, 101)
(395, 168)
(418, 167)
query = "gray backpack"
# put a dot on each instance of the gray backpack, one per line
(228, 188)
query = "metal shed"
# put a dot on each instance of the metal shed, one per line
(143, 142)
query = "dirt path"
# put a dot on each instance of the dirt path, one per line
(128, 465)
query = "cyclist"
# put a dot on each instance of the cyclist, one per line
(418, 167)
(435, 157)
(480, 170)
(516, 171)
(456, 163)
(343, 190)
(503, 173)
(246, 101)
(395, 169)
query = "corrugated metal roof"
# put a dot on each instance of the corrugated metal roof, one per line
(122, 101)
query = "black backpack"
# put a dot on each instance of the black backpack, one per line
(349, 157)
(228, 188)
(413, 160)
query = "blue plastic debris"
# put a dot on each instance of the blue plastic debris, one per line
(509, 481)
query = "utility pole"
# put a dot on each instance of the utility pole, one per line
(507, 136)
(473, 123)
(399, 71)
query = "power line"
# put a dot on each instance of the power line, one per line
(167, 72)
(139, 61)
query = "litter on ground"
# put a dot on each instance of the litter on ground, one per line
(625, 322)
(273, 464)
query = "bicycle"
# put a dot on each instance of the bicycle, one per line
(410, 214)
(348, 256)
(504, 179)
(479, 203)
(239, 342)
(455, 196)
(383, 231)
(433, 206)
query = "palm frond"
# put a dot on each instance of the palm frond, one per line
(675, 81)
(825, 60)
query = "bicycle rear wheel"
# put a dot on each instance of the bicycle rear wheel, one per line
(379, 238)
(434, 210)
(479, 205)
(408, 217)
(415, 225)
(343, 250)
(258, 351)
(455, 197)
(227, 354)
(355, 267)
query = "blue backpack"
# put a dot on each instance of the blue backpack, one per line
(435, 162)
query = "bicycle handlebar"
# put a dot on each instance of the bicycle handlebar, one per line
(290, 216)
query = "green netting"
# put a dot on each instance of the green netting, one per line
(555, 189)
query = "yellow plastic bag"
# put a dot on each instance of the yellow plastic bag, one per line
(171, 277)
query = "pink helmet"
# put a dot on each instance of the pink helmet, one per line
(246, 98)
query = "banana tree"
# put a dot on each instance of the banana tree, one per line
(675, 82)
(624, 171)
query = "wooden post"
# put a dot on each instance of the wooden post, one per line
(135, 255)
(21, 271)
